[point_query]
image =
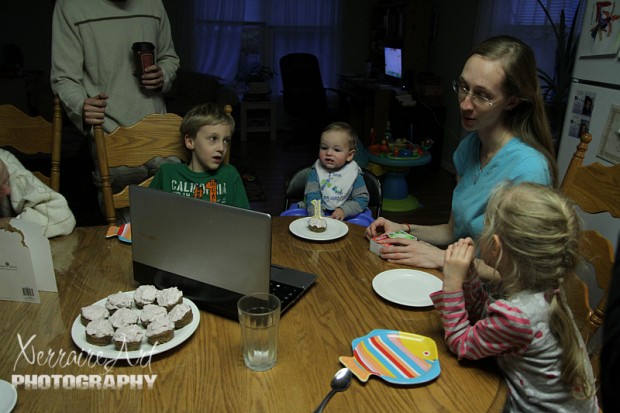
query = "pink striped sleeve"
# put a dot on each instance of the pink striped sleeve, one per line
(504, 329)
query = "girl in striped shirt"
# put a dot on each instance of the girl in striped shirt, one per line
(531, 238)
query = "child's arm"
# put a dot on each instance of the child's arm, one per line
(157, 182)
(504, 329)
(358, 200)
(312, 191)
(460, 273)
(239, 196)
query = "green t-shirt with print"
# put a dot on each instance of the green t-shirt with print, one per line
(223, 185)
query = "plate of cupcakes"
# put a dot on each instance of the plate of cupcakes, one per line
(135, 324)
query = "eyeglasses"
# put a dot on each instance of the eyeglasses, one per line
(462, 91)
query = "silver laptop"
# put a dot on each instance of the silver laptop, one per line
(214, 253)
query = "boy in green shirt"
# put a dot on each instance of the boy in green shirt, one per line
(206, 130)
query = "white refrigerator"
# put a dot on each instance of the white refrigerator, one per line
(594, 102)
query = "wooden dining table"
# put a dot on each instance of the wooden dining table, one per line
(206, 373)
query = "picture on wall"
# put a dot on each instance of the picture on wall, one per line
(600, 21)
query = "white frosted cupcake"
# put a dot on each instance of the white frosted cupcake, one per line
(169, 297)
(145, 294)
(150, 313)
(181, 315)
(99, 332)
(131, 336)
(118, 300)
(123, 317)
(160, 331)
(93, 312)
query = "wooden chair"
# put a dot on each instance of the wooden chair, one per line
(594, 188)
(30, 135)
(155, 135)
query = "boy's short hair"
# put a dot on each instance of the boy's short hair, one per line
(205, 114)
(346, 128)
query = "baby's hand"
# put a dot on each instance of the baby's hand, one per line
(338, 214)
(457, 260)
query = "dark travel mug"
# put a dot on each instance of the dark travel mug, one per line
(144, 56)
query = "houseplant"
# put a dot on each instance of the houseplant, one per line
(258, 79)
(556, 86)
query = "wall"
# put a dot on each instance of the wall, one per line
(449, 49)
(30, 27)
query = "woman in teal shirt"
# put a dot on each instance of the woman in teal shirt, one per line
(502, 107)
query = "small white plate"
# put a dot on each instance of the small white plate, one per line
(407, 287)
(335, 229)
(8, 396)
(78, 334)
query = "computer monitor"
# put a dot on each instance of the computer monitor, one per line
(393, 64)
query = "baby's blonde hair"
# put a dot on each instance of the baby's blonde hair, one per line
(539, 231)
(347, 129)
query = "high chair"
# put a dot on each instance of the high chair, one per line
(296, 184)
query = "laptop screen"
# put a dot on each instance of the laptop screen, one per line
(220, 245)
(214, 253)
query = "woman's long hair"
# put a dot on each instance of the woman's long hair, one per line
(527, 120)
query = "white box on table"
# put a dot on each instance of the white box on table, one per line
(25, 262)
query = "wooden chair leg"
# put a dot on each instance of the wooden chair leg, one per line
(104, 172)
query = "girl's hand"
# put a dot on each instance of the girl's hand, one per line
(338, 214)
(457, 260)
(380, 226)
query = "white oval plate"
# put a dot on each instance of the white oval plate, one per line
(8, 396)
(335, 229)
(407, 287)
(78, 334)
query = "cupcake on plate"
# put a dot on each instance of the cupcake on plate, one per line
(128, 338)
(118, 300)
(169, 297)
(99, 332)
(160, 331)
(145, 294)
(93, 312)
(150, 313)
(181, 315)
(123, 317)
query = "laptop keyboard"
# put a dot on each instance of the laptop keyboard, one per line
(286, 293)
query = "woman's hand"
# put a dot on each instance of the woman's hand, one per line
(457, 261)
(380, 226)
(412, 252)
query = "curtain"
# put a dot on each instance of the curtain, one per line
(526, 20)
(216, 38)
(289, 25)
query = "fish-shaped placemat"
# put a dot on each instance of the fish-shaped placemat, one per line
(395, 356)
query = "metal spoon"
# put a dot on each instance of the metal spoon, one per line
(340, 382)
